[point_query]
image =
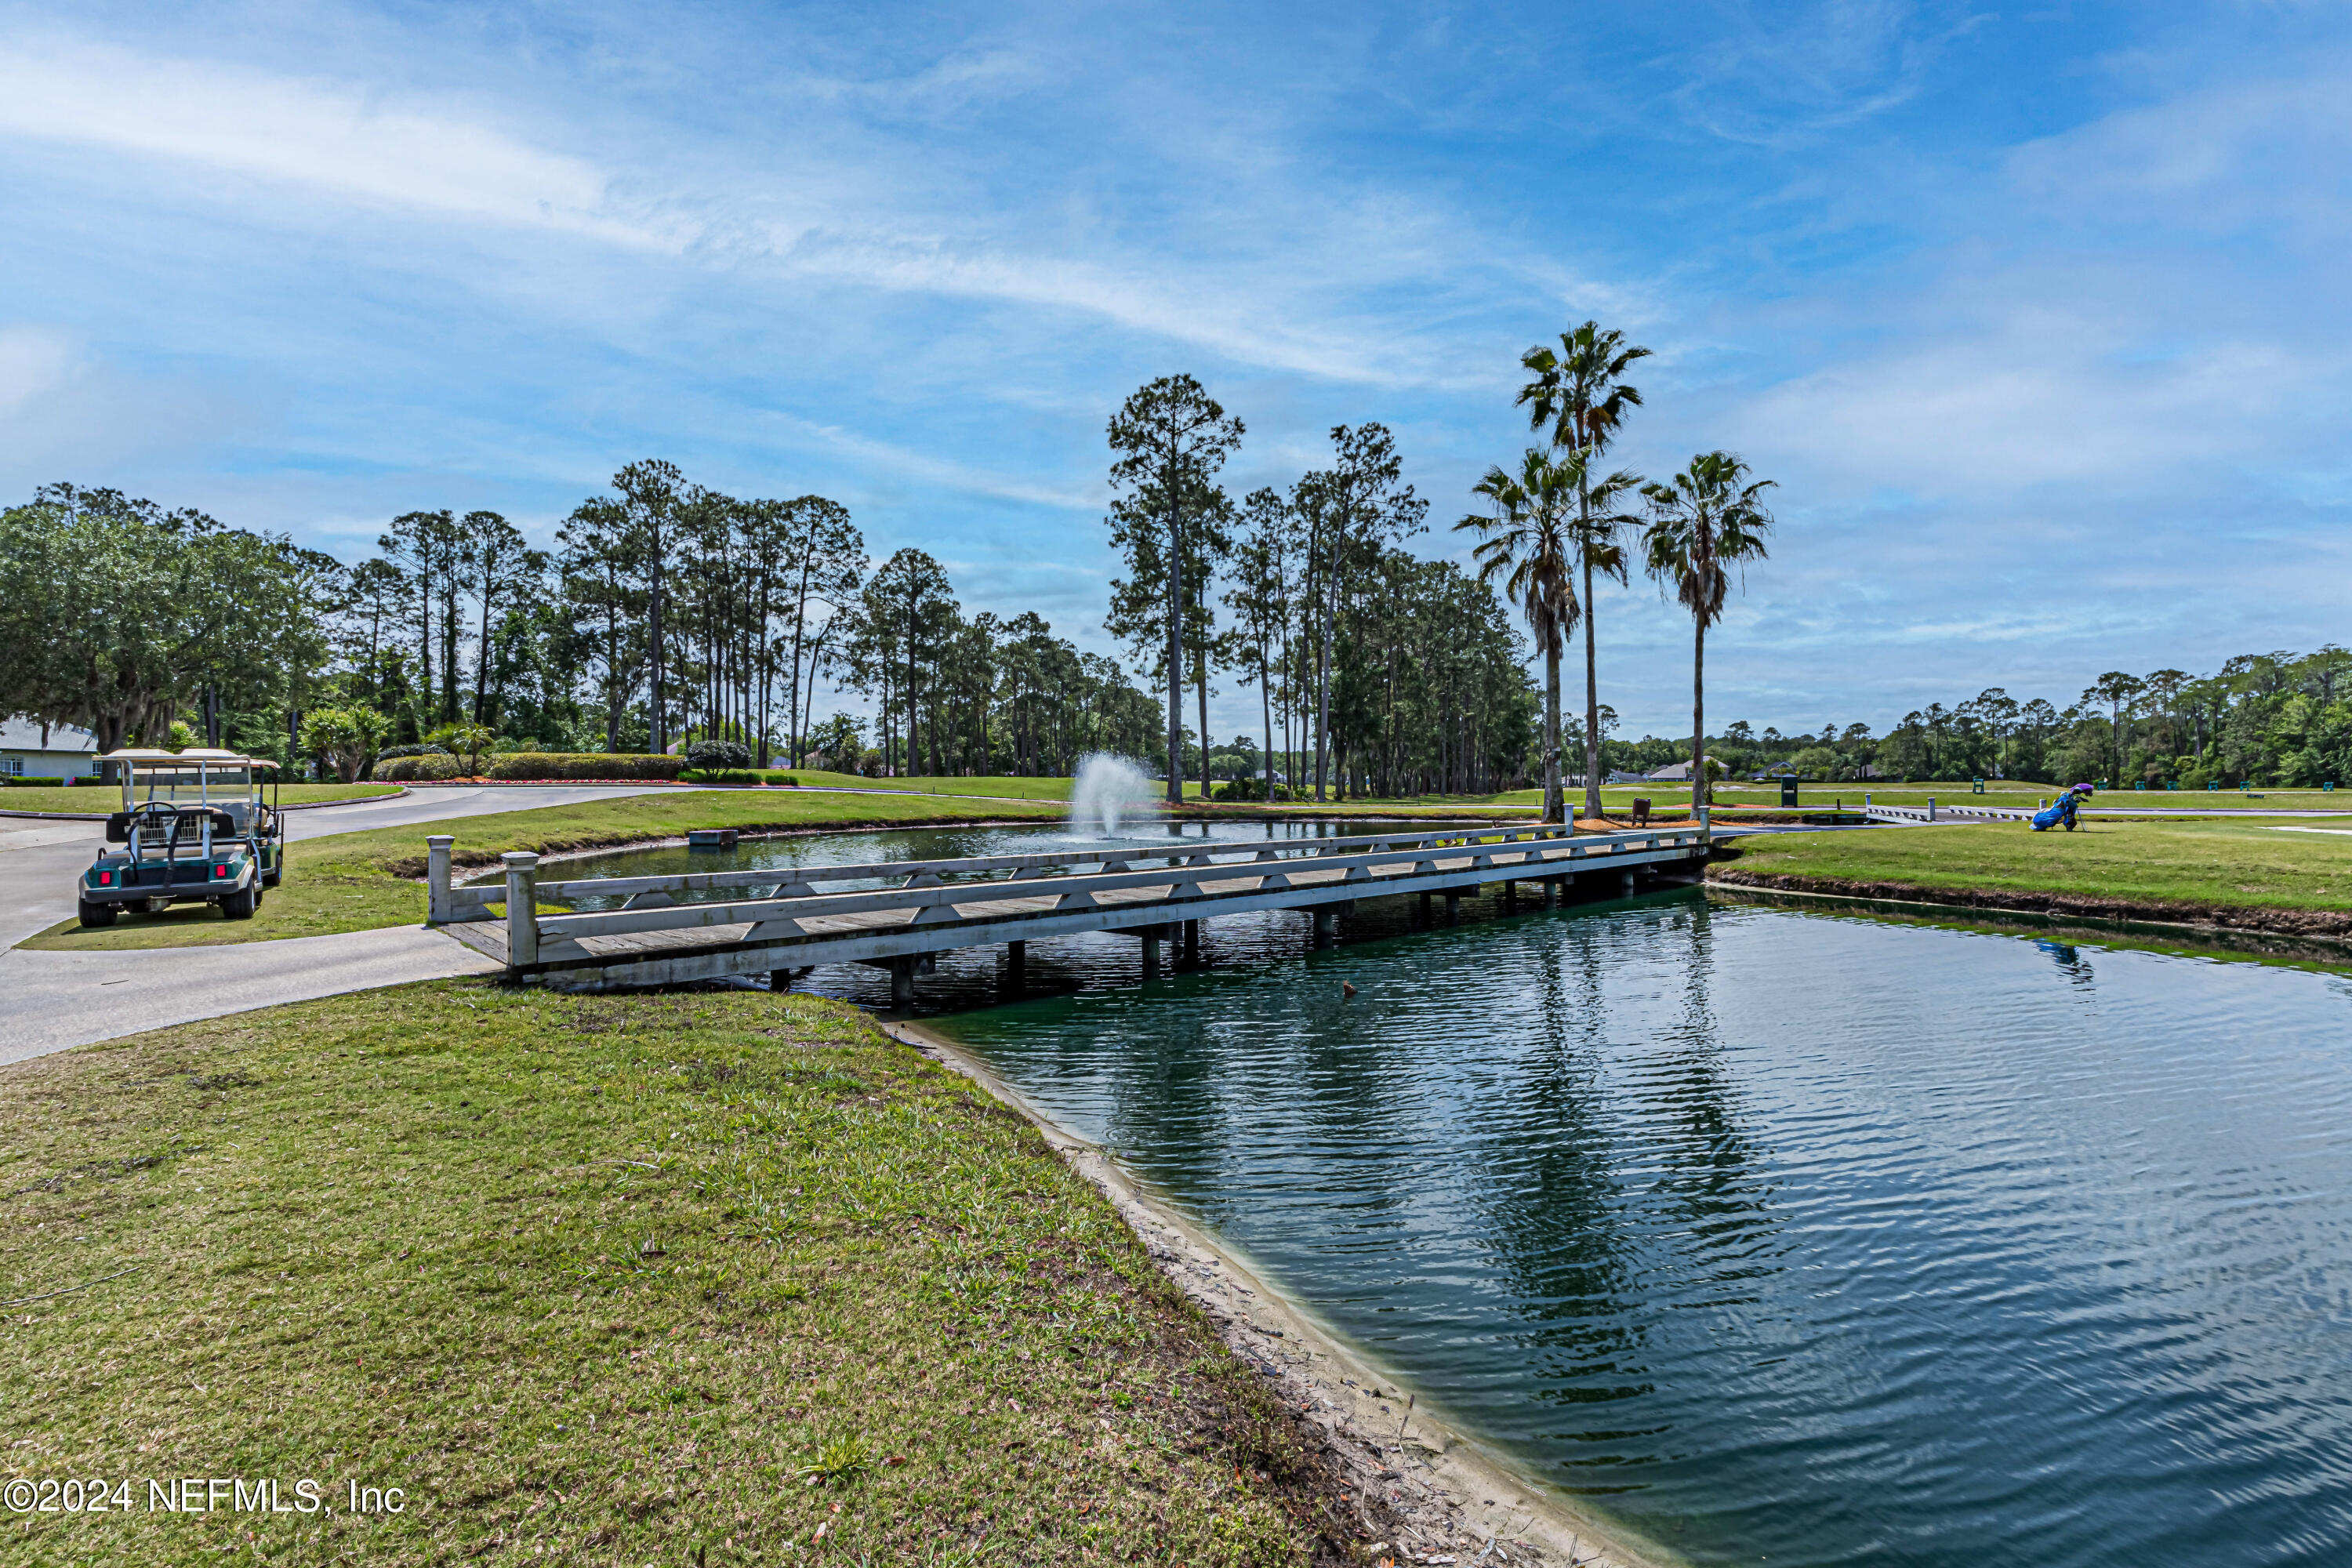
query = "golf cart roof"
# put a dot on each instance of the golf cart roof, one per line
(153, 757)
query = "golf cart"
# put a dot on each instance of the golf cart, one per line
(194, 829)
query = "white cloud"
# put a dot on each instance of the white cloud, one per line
(329, 136)
(64, 414)
(837, 202)
(883, 457)
(2274, 150)
(2044, 396)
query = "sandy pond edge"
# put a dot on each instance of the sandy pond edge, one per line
(1462, 1503)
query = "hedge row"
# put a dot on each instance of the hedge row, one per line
(430, 766)
(532, 765)
(583, 765)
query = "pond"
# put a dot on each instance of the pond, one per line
(1785, 1237)
(1779, 1235)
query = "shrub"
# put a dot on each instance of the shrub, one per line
(467, 741)
(425, 767)
(342, 737)
(585, 765)
(713, 755)
(29, 781)
(424, 749)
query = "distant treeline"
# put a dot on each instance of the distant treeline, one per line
(2267, 718)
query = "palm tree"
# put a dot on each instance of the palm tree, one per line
(1530, 540)
(1701, 522)
(1581, 394)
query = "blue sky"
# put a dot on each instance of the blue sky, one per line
(2038, 317)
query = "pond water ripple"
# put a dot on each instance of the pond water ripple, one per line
(1786, 1236)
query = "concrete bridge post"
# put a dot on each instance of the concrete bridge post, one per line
(437, 879)
(522, 906)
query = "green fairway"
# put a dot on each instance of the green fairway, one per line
(2184, 866)
(356, 881)
(999, 787)
(714, 1279)
(1618, 799)
(100, 799)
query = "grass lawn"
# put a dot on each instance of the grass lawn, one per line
(999, 787)
(357, 881)
(712, 1278)
(1619, 798)
(2241, 864)
(100, 799)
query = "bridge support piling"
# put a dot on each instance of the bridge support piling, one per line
(1551, 892)
(902, 983)
(1453, 909)
(1191, 944)
(779, 981)
(1424, 910)
(1151, 953)
(1629, 884)
(1510, 897)
(1327, 926)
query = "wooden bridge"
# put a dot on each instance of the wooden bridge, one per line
(780, 923)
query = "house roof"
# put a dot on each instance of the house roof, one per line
(25, 735)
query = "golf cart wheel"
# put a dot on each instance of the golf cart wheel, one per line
(239, 906)
(95, 914)
(271, 879)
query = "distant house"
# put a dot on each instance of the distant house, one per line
(1675, 772)
(30, 750)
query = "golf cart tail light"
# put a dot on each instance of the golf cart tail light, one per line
(220, 870)
(106, 879)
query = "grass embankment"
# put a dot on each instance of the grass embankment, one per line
(358, 881)
(2236, 873)
(98, 800)
(607, 1278)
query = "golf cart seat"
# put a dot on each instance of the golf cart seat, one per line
(161, 829)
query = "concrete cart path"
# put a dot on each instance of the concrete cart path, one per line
(49, 1001)
(60, 999)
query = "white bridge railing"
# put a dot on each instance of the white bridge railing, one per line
(1932, 811)
(1195, 878)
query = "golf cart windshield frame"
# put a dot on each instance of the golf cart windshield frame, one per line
(197, 778)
